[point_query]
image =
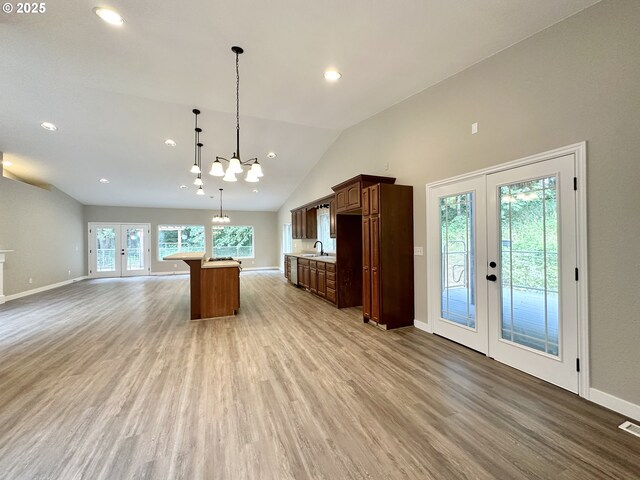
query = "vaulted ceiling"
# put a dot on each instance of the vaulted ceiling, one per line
(116, 93)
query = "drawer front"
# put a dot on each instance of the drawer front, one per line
(331, 284)
(313, 264)
(303, 261)
(331, 294)
(322, 266)
(331, 276)
(331, 267)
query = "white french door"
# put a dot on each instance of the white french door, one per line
(531, 235)
(503, 254)
(461, 312)
(119, 249)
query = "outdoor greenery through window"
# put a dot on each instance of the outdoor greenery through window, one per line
(180, 239)
(324, 233)
(232, 241)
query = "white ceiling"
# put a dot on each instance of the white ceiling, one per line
(117, 93)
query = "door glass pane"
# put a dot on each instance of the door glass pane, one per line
(457, 278)
(106, 249)
(135, 245)
(529, 264)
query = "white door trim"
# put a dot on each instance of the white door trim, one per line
(579, 150)
(91, 255)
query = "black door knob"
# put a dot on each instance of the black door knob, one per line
(492, 278)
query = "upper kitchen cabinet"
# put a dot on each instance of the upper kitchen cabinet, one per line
(304, 223)
(349, 193)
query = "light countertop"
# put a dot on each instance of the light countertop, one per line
(325, 259)
(221, 264)
(185, 256)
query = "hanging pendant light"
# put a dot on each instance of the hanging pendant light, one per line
(235, 163)
(196, 168)
(220, 218)
(200, 191)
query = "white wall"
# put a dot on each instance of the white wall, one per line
(45, 228)
(578, 80)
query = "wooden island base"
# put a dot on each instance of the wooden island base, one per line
(214, 285)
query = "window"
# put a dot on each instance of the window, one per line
(328, 243)
(286, 238)
(232, 241)
(180, 239)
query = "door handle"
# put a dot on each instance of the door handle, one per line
(492, 278)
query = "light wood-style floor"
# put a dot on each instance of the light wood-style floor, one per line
(108, 379)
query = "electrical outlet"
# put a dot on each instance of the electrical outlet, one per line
(175, 265)
(253, 262)
(69, 272)
(474, 128)
(31, 280)
(386, 167)
(418, 251)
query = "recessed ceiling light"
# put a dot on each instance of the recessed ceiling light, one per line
(104, 180)
(169, 143)
(109, 16)
(332, 75)
(49, 126)
(271, 155)
(255, 190)
(183, 186)
(6, 163)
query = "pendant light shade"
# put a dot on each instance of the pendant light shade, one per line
(251, 178)
(217, 170)
(195, 168)
(230, 176)
(256, 170)
(234, 165)
(198, 181)
(200, 191)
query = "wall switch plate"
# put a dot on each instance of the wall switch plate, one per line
(474, 128)
(418, 251)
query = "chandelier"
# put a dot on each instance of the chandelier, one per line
(235, 164)
(220, 218)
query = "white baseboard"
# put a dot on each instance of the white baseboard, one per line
(616, 404)
(157, 274)
(258, 268)
(420, 325)
(15, 296)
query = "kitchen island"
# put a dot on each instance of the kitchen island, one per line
(214, 285)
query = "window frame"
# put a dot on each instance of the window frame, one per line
(159, 229)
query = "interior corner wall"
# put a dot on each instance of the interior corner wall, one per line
(46, 231)
(576, 81)
(264, 223)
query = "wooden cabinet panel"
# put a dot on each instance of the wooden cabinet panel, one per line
(374, 199)
(332, 218)
(341, 200)
(365, 201)
(313, 278)
(311, 222)
(331, 295)
(331, 284)
(375, 269)
(331, 276)
(366, 267)
(331, 267)
(353, 196)
(322, 284)
(302, 220)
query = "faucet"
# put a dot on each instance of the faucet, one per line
(321, 247)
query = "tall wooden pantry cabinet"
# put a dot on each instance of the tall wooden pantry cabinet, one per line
(387, 255)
